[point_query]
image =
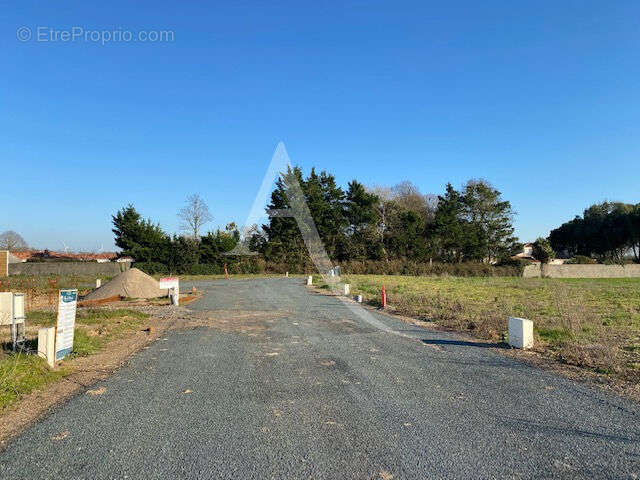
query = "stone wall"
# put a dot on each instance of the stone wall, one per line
(582, 271)
(68, 268)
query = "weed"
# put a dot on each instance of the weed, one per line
(21, 374)
(85, 344)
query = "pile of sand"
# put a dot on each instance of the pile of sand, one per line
(131, 283)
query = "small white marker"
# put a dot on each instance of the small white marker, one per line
(520, 333)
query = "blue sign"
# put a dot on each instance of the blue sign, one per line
(68, 296)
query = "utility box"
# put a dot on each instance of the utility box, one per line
(520, 333)
(11, 308)
(6, 308)
(47, 345)
(12, 314)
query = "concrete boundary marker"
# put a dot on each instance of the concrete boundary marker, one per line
(520, 333)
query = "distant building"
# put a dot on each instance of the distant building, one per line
(21, 256)
(527, 254)
(15, 259)
(35, 255)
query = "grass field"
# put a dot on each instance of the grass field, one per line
(591, 323)
(20, 374)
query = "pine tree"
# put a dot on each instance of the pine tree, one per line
(490, 222)
(361, 211)
(449, 229)
(141, 239)
(285, 242)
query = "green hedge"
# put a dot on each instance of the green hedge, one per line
(152, 268)
(256, 265)
(399, 267)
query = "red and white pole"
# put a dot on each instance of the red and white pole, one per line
(384, 297)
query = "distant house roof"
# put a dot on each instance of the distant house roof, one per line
(22, 254)
(96, 256)
(526, 254)
(15, 259)
(25, 255)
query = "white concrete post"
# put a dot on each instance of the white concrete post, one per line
(520, 332)
(98, 283)
(347, 289)
(175, 297)
(46, 345)
(286, 274)
(310, 280)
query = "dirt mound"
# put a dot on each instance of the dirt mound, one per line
(131, 283)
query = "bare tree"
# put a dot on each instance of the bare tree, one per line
(11, 240)
(408, 196)
(194, 215)
(385, 197)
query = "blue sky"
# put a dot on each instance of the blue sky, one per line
(540, 98)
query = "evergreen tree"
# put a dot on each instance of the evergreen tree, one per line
(141, 239)
(333, 221)
(607, 231)
(408, 241)
(214, 245)
(490, 222)
(542, 250)
(324, 199)
(184, 254)
(361, 211)
(449, 228)
(285, 242)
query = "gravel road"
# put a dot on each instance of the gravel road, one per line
(286, 383)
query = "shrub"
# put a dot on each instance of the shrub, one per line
(152, 268)
(542, 250)
(581, 260)
(401, 267)
(257, 264)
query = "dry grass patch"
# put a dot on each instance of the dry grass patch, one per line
(590, 323)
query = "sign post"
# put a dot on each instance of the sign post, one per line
(67, 304)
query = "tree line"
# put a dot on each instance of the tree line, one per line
(381, 224)
(359, 223)
(606, 232)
